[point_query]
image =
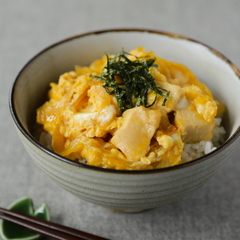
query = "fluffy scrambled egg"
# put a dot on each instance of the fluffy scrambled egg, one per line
(85, 122)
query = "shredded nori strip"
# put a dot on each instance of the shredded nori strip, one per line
(130, 81)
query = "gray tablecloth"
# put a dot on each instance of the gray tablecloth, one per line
(27, 26)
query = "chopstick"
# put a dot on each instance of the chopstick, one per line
(46, 228)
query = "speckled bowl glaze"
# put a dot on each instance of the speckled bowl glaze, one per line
(125, 190)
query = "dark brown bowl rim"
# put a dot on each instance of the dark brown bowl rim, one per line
(16, 120)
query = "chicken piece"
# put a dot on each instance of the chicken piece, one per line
(166, 149)
(192, 127)
(134, 135)
(174, 96)
(203, 104)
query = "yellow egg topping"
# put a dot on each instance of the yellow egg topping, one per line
(86, 122)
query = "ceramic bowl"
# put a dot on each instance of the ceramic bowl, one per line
(125, 190)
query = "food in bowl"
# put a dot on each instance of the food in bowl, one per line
(131, 111)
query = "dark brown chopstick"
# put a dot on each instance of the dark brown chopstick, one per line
(46, 228)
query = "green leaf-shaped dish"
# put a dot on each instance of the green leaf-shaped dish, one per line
(11, 231)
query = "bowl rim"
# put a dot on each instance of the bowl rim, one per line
(34, 141)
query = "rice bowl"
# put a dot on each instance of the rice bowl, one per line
(120, 189)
